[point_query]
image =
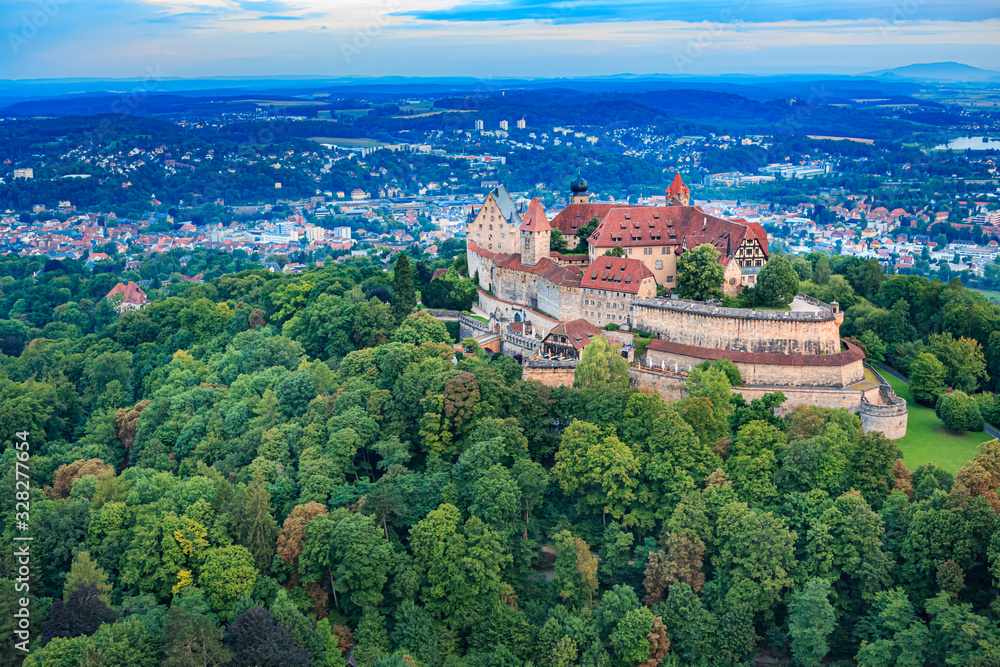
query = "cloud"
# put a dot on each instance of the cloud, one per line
(695, 11)
(500, 38)
(269, 6)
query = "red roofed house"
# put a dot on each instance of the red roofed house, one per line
(132, 296)
(567, 339)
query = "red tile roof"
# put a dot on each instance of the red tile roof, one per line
(575, 216)
(545, 268)
(617, 274)
(131, 293)
(579, 332)
(684, 226)
(852, 354)
(534, 219)
(677, 185)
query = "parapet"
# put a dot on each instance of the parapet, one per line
(825, 312)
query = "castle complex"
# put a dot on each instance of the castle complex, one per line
(544, 306)
(510, 250)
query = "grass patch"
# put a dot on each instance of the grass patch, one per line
(928, 441)
(349, 142)
(990, 294)
(480, 318)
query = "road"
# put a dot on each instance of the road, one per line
(899, 376)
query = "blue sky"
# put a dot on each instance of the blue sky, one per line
(485, 38)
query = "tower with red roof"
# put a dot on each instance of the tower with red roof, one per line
(535, 230)
(678, 194)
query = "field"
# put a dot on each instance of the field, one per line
(857, 139)
(348, 142)
(284, 104)
(430, 111)
(354, 113)
(992, 296)
(927, 439)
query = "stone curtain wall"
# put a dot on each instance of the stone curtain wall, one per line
(551, 373)
(481, 264)
(514, 344)
(471, 328)
(505, 309)
(753, 373)
(670, 387)
(740, 330)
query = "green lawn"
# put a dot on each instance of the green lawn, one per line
(927, 439)
(989, 294)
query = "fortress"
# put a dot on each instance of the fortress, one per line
(536, 299)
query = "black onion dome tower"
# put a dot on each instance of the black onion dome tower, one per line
(579, 189)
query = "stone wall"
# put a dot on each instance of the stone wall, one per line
(482, 265)
(754, 373)
(794, 396)
(505, 310)
(551, 373)
(740, 330)
(884, 411)
(471, 328)
(560, 301)
(515, 344)
(669, 386)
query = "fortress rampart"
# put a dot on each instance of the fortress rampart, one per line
(884, 411)
(741, 330)
(760, 368)
(551, 373)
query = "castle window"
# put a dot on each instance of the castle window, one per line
(670, 279)
(659, 264)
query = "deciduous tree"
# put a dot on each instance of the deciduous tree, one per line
(699, 274)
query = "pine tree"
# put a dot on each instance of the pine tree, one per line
(253, 523)
(404, 298)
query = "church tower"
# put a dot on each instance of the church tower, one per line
(579, 189)
(535, 232)
(678, 194)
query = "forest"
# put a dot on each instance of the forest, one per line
(294, 470)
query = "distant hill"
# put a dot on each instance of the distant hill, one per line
(948, 71)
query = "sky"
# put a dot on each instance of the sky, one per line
(486, 39)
